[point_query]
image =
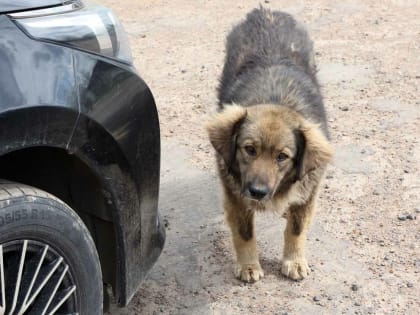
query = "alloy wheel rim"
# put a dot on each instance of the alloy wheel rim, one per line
(35, 279)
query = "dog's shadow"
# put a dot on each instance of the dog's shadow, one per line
(272, 267)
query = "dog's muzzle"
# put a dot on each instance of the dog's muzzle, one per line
(257, 192)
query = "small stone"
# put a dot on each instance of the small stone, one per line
(356, 303)
(410, 284)
(183, 71)
(166, 223)
(402, 217)
(344, 108)
(354, 287)
(316, 299)
(417, 210)
(411, 217)
(330, 298)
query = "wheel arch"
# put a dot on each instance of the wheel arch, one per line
(68, 178)
(34, 150)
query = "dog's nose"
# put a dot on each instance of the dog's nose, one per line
(258, 192)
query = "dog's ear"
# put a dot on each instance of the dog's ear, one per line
(223, 130)
(313, 149)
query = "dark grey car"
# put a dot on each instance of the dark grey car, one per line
(79, 160)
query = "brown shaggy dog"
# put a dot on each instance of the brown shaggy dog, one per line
(270, 136)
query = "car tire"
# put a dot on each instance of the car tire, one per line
(47, 256)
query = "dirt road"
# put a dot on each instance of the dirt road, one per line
(363, 247)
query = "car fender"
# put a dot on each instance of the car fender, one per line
(118, 136)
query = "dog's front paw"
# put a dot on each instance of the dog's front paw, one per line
(249, 272)
(296, 268)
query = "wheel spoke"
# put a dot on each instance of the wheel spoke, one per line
(33, 266)
(45, 275)
(2, 286)
(49, 292)
(60, 298)
(34, 279)
(19, 276)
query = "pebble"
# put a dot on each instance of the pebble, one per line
(410, 284)
(344, 108)
(406, 216)
(166, 223)
(316, 299)
(354, 287)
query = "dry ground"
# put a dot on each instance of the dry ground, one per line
(364, 244)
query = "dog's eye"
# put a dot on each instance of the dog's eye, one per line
(281, 157)
(250, 150)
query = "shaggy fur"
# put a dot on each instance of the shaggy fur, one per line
(270, 136)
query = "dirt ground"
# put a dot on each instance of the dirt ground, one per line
(363, 247)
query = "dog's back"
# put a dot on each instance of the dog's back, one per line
(269, 60)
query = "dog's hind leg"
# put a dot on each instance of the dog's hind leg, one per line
(294, 264)
(241, 223)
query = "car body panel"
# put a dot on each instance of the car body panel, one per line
(118, 118)
(44, 98)
(100, 111)
(7, 6)
(50, 80)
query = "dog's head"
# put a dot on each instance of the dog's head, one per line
(267, 147)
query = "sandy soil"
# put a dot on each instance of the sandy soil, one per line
(364, 244)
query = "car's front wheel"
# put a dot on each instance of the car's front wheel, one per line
(48, 260)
